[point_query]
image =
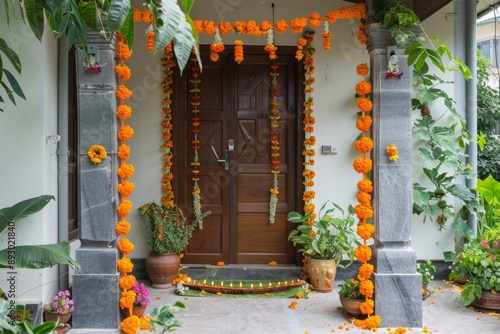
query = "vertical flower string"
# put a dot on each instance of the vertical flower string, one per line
(275, 143)
(168, 65)
(133, 323)
(327, 35)
(309, 139)
(196, 102)
(238, 51)
(364, 210)
(216, 47)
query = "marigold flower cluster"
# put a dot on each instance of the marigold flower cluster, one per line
(392, 152)
(168, 64)
(238, 51)
(97, 153)
(275, 143)
(364, 209)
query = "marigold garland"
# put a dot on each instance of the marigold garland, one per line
(364, 210)
(125, 188)
(216, 47)
(275, 144)
(238, 51)
(168, 64)
(97, 153)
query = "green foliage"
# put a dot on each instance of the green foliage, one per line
(74, 18)
(33, 256)
(350, 289)
(9, 326)
(166, 228)
(328, 238)
(164, 317)
(489, 197)
(479, 262)
(426, 269)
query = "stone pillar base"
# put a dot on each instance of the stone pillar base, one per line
(96, 299)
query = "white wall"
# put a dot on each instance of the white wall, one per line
(335, 107)
(28, 167)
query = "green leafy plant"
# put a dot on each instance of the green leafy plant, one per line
(163, 317)
(479, 262)
(8, 325)
(74, 19)
(30, 256)
(350, 289)
(426, 269)
(166, 228)
(329, 237)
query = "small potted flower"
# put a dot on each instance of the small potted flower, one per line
(350, 297)
(141, 300)
(60, 308)
(426, 269)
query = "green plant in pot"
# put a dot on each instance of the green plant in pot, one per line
(479, 261)
(324, 243)
(168, 234)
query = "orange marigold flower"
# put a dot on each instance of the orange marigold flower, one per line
(362, 69)
(123, 71)
(361, 36)
(364, 145)
(366, 288)
(125, 265)
(363, 211)
(122, 50)
(273, 263)
(365, 186)
(225, 28)
(363, 253)
(208, 27)
(363, 165)
(367, 306)
(238, 51)
(221, 263)
(130, 325)
(239, 26)
(293, 304)
(364, 123)
(150, 44)
(145, 323)
(364, 104)
(298, 24)
(363, 88)
(281, 26)
(198, 26)
(265, 26)
(315, 20)
(123, 111)
(123, 152)
(274, 191)
(137, 15)
(365, 231)
(364, 198)
(122, 228)
(123, 93)
(125, 246)
(372, 322)
(326, 40)
(126, 188)
(127, 282)
(126, 132)
(366, 270)
(147, 16)
(124, 208)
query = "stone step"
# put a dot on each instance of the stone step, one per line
(243, 272)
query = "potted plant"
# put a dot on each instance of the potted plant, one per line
(426, 269)
(479, 261)
(141, 300)
(324, 242)
(350, 297)
(60, 308)
(168, 234)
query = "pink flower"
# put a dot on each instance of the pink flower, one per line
(493, 257)
(495, 243)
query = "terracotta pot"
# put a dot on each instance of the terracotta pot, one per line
(162, 269)
(136, 310)
(351, 306)
(322, 274)
(488, 301)
(53, 316)
(63, 329)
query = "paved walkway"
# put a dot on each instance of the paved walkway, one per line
(320, 314)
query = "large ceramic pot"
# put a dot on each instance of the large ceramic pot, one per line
(322, 274)
(488, 301)
(351, 306)
(162, 269)
(54, 316)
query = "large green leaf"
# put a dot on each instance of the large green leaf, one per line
(183, 44)
(34, 13)
(14, 84)
(460, 226)
(117, 14)
(490, 189)
(11, 55)
(89, 13)
(470, 293)
(128, 30)
(23, 209)
(39, 256)
(61, 19)
(187, 5)
(168, 23)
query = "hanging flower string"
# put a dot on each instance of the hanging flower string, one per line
(133, 323)
(196, 102)
(270, 45)
(327, 35)
(275, 143)
(364, 210)
(238, 51)
(216, 47)
(168, 65)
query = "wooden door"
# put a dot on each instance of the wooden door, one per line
(235, 126)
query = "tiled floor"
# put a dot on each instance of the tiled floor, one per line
(442, 313)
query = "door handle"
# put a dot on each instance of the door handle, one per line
(225, 160)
